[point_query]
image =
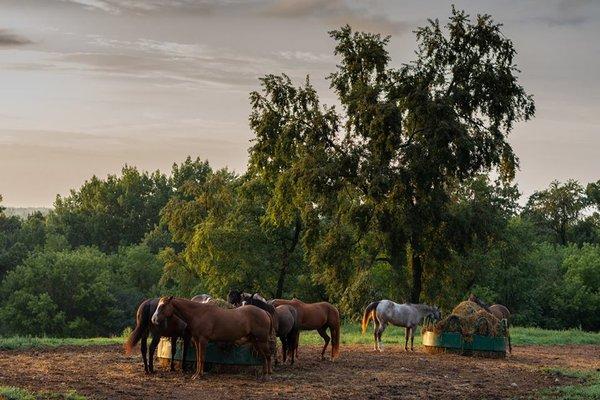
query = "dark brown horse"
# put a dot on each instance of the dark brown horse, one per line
(319, 316)
(497, 310)
(172, 327)
(287, 331)
(207, 322)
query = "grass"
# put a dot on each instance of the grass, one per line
(519, 336)
(589, 389)
(26, 342)
(350, 335)
(15, 393)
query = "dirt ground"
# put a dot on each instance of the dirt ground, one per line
(104, 372)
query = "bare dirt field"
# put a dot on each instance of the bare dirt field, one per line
(104, 372)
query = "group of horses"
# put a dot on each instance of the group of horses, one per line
(253, 319)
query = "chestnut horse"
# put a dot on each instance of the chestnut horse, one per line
(207, 322)
(319, 316)
(497, 310)
(173, 327)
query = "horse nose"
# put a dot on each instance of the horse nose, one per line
(154, 320)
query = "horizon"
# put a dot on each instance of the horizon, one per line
(92, 85)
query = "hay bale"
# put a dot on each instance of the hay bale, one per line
(466, 309)
(468, 319)
(221, 303)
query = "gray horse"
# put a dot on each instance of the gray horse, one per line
(408, 315)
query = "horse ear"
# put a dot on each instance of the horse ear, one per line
(170, 298)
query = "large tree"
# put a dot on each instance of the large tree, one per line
(558, 208)
(111, 212)
(376, 175)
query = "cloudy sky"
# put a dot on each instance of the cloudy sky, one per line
(89, 85)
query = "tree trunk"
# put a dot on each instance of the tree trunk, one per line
(285, 261)
(417, 274)
(285, 258)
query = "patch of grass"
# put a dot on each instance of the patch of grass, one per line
(350, 335)
(26, 342)
(519, 336)
(15, 393)
(590, 389)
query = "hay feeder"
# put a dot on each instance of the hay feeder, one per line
(469, 331)
(219, 357)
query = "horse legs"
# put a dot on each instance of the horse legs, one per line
(292, 344)
(284, 349)
(379, 333)
(186, 345)
(200, 344)
(406, 334)
(153, 344)
(375, 329)
(173, 351)
(297, 343)
(144, 350)
(323, 332)
(509, 345)
(412, 338)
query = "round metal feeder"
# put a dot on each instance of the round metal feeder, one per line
(475, 345)
(217, 355)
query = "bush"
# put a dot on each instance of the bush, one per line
(77, 293)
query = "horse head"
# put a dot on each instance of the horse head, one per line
(436, 314)
(234, 297)
(164, 310)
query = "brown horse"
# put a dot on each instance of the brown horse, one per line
(172, 327)
(319, 316)
(207, 322)
(287, 331)
(497, 310)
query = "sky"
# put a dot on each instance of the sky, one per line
(87, 86)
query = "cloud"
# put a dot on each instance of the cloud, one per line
(154, 6)
(9, 39)
(335, 13)
(572, 13)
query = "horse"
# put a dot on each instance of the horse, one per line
(287, 331)
(319, 316)
(202, 298)
(497, 310)
(172, 327)
(207, 322)
(407, 315)
(260, 303)
(236, 297)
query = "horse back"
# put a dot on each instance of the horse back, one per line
(220, 324)
(499, 311)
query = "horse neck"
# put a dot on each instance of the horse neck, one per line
(423, 310)
(183, 308)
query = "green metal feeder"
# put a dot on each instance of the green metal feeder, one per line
(216, 354)
(476, 345)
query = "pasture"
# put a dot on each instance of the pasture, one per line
(97, 368)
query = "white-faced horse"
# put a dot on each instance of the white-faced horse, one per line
(386, 312)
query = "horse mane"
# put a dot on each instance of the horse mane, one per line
(479, 302)
(261, 304)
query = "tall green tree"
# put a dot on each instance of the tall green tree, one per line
(557, 209)
(404, 136)
(119, 210)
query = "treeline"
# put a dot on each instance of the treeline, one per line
(388, 196)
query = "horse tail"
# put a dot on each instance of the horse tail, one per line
(368, 314)
(334, 327)
(272, 335)
(141, 324)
